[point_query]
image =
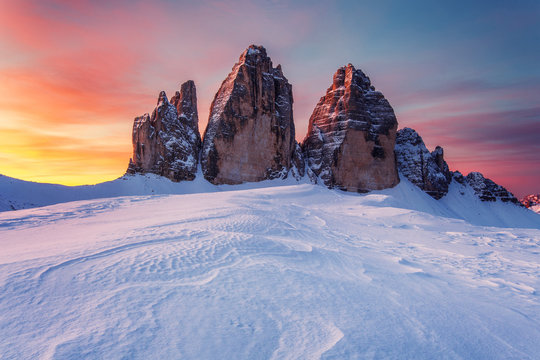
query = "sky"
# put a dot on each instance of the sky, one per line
(74, 74)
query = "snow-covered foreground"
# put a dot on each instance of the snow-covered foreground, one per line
(291, 272)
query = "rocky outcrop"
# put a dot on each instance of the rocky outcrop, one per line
(167, 143)
(426, 170)
(250, 133)
(487, 190)
(430, 172)
(351, 135)
(532, 202)
(185, 102)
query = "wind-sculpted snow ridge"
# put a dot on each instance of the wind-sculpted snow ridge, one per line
(298, 272)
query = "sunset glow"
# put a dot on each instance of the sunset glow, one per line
(74, 74)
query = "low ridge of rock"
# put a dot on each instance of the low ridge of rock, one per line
(351, 135)
(167, 143)
(250, 134)
(531, 200)
(488, 190)
(428, 171)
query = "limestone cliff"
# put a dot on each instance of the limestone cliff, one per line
(250, 134)
(351, 135)
(167, 143)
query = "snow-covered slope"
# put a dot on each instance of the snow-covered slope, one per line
(460, 203)
(290, 272)
(18, 194)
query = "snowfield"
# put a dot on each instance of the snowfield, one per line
(283, 272)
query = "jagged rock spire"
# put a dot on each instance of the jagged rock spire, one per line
(168, 142)
(426, 170)
(250, 133)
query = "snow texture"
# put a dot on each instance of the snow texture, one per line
(289, 272)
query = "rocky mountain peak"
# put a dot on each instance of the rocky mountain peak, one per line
(349, 75)
(351, 135)
(251, 110)
(438, 156)
(167, 143)
(256, 55)
(162, 99)
(185, 102)
(428, 171)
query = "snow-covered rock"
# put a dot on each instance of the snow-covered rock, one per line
(185, 102)
(426, 170)
(488, 190)
(250, 134)
(168, 142)
(532, 202)
(351, 135)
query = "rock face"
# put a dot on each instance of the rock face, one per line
(250, 133)
(487, 190)
(532, 202)
(168, 142)
(426, 170)
(185, 102)
(351, 135)
(430, 172)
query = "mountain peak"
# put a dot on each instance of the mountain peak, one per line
(254, 55)
(162, 98)
(251, 110)
(351, 135)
